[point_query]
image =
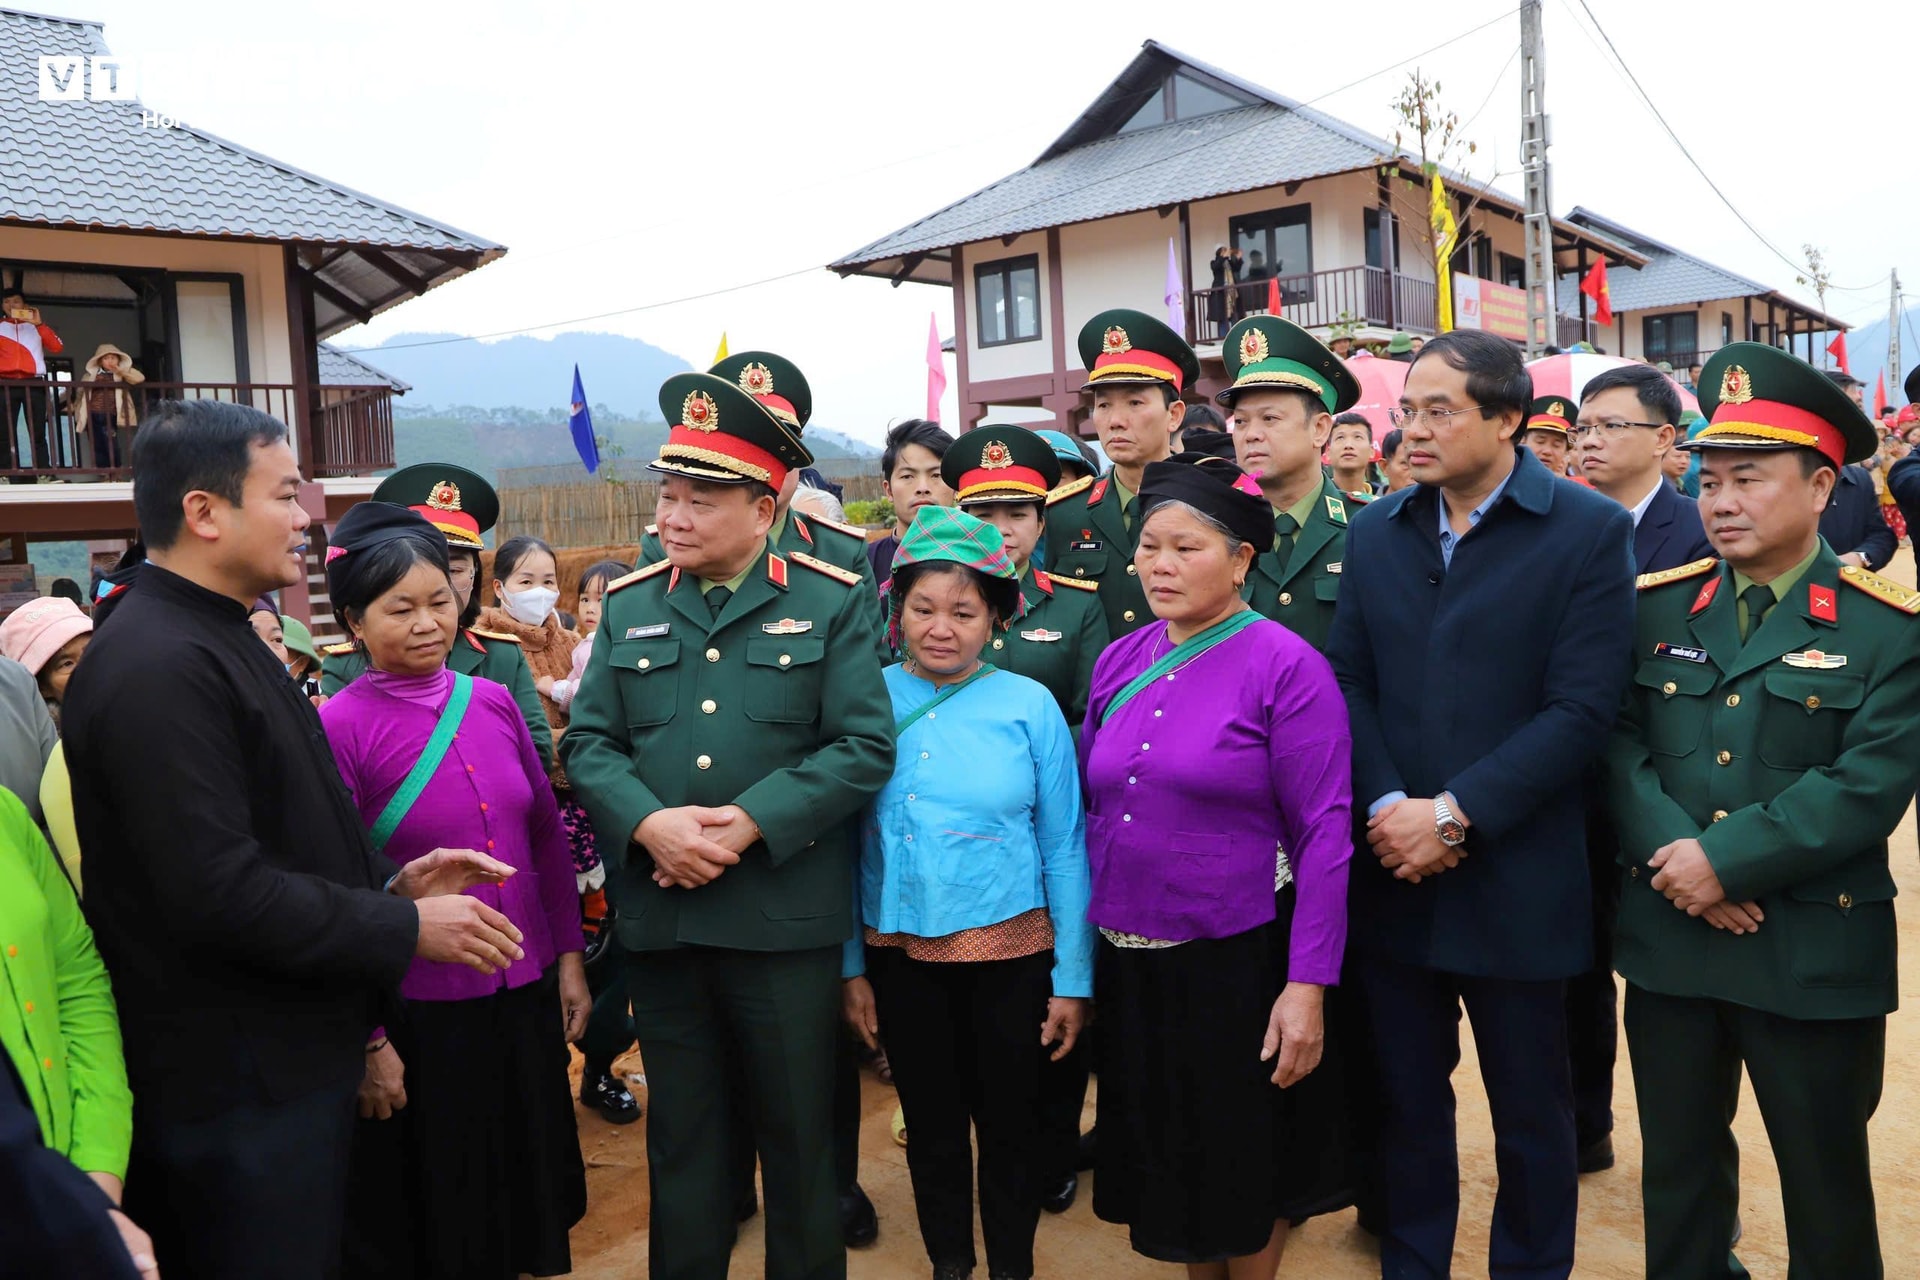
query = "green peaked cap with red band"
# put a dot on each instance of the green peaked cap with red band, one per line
(1553, 413)
(1270, 353)
(775, 381)
(1121, 348)
(998, 463)
(454, 500)
(1760, 397)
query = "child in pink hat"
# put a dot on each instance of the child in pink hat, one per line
(47, 636)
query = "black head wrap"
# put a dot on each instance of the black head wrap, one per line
(1204, 440)
(1214, 487)
(365, 526)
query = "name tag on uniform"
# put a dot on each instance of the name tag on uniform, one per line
(1686, 653)
(1335, 566)
(647, 633)
(1043, 636)
(1092, 545)
(786, 627)
(1815, 660)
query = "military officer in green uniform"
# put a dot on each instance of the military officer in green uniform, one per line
(782, 391)
(728, 727)
(1286, 387)
(1765, 754)
(1136, 369)
(1003, 475)
(1549, 432)
(462, 506)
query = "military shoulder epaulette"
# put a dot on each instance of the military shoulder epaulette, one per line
(1068, 490)
(493, 635)
(1078, 584)
(1361, 496)
(653, 531)
(834, 571)
(1885, 590)
(639, 575)
(851, 530)
(339, 650)
(1665, 576)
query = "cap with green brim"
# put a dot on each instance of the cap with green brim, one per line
(1130, 348)
(1000, 464)
(1553, 413)
(1269, 353)
(454, 500)
(775, 381)
(1760, 397)
(722, 435)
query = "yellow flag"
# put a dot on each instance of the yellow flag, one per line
(720, 353)
(1446, 232)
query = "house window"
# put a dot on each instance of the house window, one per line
(1674, 338)
(1283, 239)
(1513, 271)
(1185, 97)
(1007, 296)
(1376, 251)
(1726, 328)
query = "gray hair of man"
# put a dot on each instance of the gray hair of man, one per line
(818, 502)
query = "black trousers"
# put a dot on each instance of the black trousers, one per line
(18, 400)
(259, 1186)
(1817, 1083)
(610, 1026)
(695, 1009)
(964, 1041)
(1593, 1002)
(1063, 1099)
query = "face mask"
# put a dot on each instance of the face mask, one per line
(532, 605)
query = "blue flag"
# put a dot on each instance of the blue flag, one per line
(580, 422)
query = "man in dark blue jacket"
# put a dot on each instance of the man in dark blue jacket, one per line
(1482, 641)
(1852, 523)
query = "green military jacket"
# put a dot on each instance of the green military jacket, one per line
(776, 706)
(1790, 758)
(1088, 541)
(1300, 592)
(1056, 641)
(844, 545)
(486, 654)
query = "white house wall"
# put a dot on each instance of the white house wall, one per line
(1013, 359)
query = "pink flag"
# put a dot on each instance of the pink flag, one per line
(1176, 294)
(936, 369)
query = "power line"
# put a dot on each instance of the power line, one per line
(1711, 184)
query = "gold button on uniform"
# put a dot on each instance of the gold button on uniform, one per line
(1813, 702)
(1719, 814)
(1128, 615)
(713, 655)
(1079, 573)
(999, 643)
(1633, 873)
(704, 762)
(1733, 699)
(645, 663)
(1725, 757)
(1846, 900)
(1286, 597)
(1132, 571)
(709, 706)
(1669, 688)
(786, 660)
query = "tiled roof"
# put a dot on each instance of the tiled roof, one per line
(94, 165)
(344, 369)
(1670, 278)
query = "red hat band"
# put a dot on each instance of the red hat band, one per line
(1137, 363)
(780, 407)
(1017, 478)
(728, 453)
(455, 524)
(1774, 420)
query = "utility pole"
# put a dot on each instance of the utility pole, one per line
(1893, 334)
(1542, 321)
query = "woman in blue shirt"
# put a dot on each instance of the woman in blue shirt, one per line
(976, 955)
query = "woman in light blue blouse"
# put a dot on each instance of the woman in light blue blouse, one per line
(976, 955)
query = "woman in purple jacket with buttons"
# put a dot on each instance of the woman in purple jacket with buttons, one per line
(1215, 756)
(468, 1162)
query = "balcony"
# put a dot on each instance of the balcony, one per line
(1318, 299)
(353, 436)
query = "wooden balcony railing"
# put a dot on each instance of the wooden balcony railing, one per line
(45, 429)
(1370, 295)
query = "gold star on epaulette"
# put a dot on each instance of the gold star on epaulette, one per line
(1885, 590)
(834, 571)
(639, 575)
(1068, 490)
(1685, 571)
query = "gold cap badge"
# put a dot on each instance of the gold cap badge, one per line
(700, 412)
(756, 380)
(1736, 385)
(995, 456)
(1557, 409)
(1116, 342)
(445, 496)
(1253, 346)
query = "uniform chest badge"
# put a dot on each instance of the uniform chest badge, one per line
(1086, 544)
(787, 627)
(1684, 652)
(1041, 635)
(1335, 566)
(647, 632)
(1815, 660)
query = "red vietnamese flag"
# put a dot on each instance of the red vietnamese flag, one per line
(1880, 394)
(1838, 350)
(1273, 295)
(1595, 287)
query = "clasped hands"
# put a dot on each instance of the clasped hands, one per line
(693, 844)
(1405, 839)
(1684, 873)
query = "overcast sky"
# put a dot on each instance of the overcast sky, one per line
(634, 154)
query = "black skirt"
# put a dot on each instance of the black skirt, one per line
(1200, 1153)
(479, 1177)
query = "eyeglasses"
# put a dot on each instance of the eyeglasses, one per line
(1608, 430)
(1436, 418)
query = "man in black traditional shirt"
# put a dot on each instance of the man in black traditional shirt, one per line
(230, 884)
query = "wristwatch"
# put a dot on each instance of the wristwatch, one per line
(1452, 832)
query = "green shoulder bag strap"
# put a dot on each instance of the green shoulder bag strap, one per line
(986, 669)
(427, 765)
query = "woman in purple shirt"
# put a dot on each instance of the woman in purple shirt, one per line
(1215, 758)
(481, 1158)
